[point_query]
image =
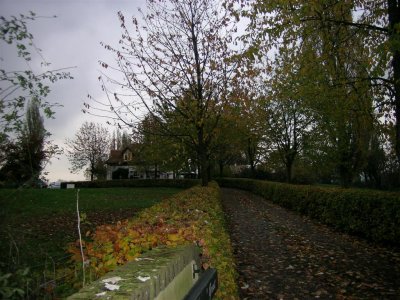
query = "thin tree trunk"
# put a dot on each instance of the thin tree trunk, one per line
(251, 154)
(202, 153)
(289, 167)
(204, 167)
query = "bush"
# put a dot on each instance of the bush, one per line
(192, 216)
(374, 215)
(15, 285)
(177, 183)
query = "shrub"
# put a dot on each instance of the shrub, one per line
(15, 285)
(178, 183)
(374, 215)
(192, 216)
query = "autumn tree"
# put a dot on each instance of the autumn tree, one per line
(175, 62)
(89, 148)
(372, 25)
(339, 77)
(346, 107)
(250, 125)
(227, 147)
(288, 118)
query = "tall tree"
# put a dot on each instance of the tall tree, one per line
(288, 118)
(153, 148)
(346, 109)
(33, 139)
(374, 23)
(331, 64)
(25, 156)
(120, 140)
(250, 127)
(176, 63)
(227, 147)
(244, 114)
(89, 148)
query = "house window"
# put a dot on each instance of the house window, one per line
(127, 156)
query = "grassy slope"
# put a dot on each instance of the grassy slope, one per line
(38, 224)
(34, 202)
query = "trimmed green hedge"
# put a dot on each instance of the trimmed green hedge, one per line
(374, 215)
(177, 183)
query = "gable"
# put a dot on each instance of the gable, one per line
(127, 155)
(122, 157)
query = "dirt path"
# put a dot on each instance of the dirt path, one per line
(281, 255)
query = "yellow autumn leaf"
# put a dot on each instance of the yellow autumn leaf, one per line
(173, 237)
(133, 234)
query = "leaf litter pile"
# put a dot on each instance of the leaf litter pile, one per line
(282, 255)
(38, 236)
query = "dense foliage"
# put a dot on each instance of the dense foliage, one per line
(374, 215)
(192, 216)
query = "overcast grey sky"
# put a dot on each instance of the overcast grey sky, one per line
(71, 39)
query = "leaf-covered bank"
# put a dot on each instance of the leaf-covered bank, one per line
(374, 215)
(37, 225)
(194, 215)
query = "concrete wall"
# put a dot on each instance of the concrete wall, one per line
(162, 274)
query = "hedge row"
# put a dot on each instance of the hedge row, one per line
(177, 183)
(191, 216)
(374, 215)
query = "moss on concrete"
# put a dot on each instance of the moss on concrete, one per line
(148, 276)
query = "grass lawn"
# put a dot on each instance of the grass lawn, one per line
(36, 225)
(39, 202)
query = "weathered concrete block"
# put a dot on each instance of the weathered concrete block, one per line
(162, 274)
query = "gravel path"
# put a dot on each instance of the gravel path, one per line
(281, 255)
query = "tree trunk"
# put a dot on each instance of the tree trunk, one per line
(204, 170)
(345, 173)
(289, 167)
(252, 169)
(251, 155)
(202, 153)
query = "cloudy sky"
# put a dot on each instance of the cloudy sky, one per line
(71, 40)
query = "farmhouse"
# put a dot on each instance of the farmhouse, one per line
(126, 164)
